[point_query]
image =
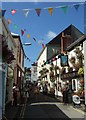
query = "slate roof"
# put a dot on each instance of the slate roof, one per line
(70, 30)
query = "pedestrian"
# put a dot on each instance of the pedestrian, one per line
(14, 95)
(27, 91)
(45, 89)
(65, 95)
(36, 90)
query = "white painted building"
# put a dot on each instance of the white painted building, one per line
(41, 59)
(34, 77)
(47, 55)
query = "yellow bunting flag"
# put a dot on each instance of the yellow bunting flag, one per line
(28, 36)
(9, 21)
(50, 11)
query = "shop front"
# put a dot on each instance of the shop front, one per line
(70, 78)
(75, 83)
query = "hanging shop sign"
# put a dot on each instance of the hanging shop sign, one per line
(64, 60)
(69, 75)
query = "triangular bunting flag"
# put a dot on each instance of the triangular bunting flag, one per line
(40, 41)
(64, 8)
(3, 12)
(38, 10)
(53, 49)
(25, 56)
(15, 27)
(28, 36)
(50, 11)
(9, 21)
(26, 11)
(42, 45)
(29, 60)
(22, 32)
(13, 12)
(76, 6)
(34, 39)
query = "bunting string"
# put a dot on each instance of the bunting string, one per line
(24, 32)
(38, 10)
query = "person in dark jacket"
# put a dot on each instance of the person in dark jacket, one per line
(14, 95)
(45, 89)
(65, 95)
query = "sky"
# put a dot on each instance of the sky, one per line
(44, 27)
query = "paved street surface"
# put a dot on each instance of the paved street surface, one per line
(45, 107)
(42, 107)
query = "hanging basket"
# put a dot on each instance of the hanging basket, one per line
(52, 80)
(82, 81)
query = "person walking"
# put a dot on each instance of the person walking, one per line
(65, 95)
(45, 89)
(14, 95)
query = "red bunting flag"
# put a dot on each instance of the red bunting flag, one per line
(22, 32)
(34, 39)
(38, 10)
(13, 12)
(54, 59)
(42, 45)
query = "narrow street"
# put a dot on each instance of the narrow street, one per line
(39, 106)
(43, 107)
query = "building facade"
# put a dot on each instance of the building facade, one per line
(27, 75)
(7, 64)
(19, 62)
(34, 77)
(61, 72)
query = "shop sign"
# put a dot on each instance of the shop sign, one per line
(64, 60)
(69, 75)
(76, 99)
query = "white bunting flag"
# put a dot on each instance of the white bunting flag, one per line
(26, 11)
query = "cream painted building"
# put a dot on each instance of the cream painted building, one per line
(19, 62)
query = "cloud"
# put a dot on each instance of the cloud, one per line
(51, 35)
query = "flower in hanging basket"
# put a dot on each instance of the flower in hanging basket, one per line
(81, 81)
(81, 71)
